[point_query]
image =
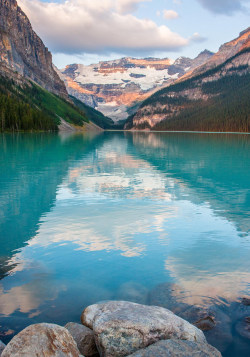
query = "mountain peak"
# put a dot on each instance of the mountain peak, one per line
(23, 51)
(244, 32)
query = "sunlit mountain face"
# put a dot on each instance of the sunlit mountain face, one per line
(120, 214)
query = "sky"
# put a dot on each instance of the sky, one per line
(89, 31)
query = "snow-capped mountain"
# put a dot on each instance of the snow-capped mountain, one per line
(117, 87)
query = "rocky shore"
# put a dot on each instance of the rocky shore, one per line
(157, 324)
(112, 329)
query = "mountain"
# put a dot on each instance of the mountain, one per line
(32, 95)
(21, 50)
(116, 88)
(212, 97)
(226, 51)
(93, 115)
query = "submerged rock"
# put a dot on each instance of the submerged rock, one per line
(177, 348)
(2, 347)
(122, 328)
(42, 340)
(210, 319)
(84, 338)
(246, 301)
(243, 327)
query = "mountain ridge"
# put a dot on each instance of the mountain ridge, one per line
(213, 97)
(116, 87)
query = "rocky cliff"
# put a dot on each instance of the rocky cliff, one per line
(22, 51)
(117, 87)
(226, 51)
(213, 96)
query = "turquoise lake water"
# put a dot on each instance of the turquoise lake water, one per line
(146, 217)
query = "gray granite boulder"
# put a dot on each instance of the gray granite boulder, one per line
(122, 328)
(177, 348)
(2, 347)
(42, 340)
(84, 338)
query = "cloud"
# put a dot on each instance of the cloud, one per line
(196, 37)
(227, 7)
(128, 6)
(98, 26)
(170, 14)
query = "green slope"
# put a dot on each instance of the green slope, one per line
(30, 107)
(226, 109)
(94, 115)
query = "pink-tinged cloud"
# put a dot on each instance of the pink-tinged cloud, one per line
(98, 26)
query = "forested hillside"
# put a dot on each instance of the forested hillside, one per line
(30, 107)
(227, 110)
(216, 100)
(93, 115)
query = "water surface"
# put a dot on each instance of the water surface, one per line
(116, 215)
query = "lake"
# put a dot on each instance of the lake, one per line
(147, 217)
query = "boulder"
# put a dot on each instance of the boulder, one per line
(42, 340)
(84, 338)
(2, 347)
(214, 322)
(211, 319)
(243, 327)
(122, 328)
(177, 348)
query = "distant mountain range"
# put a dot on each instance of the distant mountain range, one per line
(210, 92)
(212, 97)
(116, 88)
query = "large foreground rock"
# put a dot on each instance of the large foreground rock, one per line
(84, 338)
(122, 328)
(2, 347)
(215, 323)
(177, 348)
(45, 340)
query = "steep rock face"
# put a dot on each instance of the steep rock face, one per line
(198, 89)
(225, 52)
(22, 51)
(117, 87)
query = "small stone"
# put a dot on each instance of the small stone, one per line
(243, 327)
(123, 327)
(177, 348)
(2, 347)
(84, 338)
(205, 324)
(246, 301)
(42, 340)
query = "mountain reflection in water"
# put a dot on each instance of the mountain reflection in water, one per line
(112, 216)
